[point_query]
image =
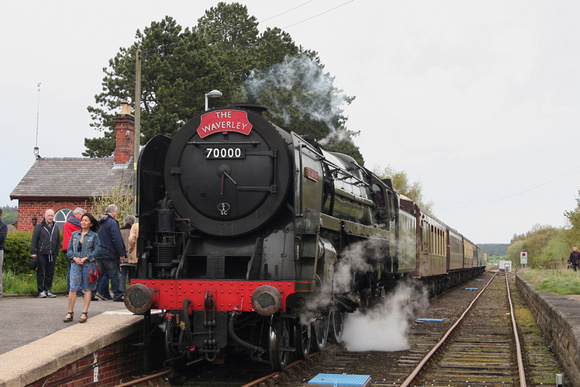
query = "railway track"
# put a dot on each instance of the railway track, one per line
(394, 368)
(481, 348)
(480, 351)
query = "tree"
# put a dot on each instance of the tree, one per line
(232, 35)
(514, 250)
(119, 195)
(303, 98)
(572, 235)
(401, 184)
(275, 45)
(9, 214)
(177, 70)
(222, 52)
(543, 243)
(557, 251)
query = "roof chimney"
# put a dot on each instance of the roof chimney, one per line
(125, 107)
(125, 132)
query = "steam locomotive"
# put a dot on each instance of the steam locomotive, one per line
(254, 238)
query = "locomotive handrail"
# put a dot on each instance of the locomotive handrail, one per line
(182, 259)
(300, 177)
(359, 199)
(205, 143)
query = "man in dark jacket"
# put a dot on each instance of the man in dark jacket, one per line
(3, 233)
(44, 247)
(112, 250)
(574, 258)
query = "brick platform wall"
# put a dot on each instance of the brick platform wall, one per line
(110, 366)
(559, 319)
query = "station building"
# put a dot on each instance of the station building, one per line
(65, 183)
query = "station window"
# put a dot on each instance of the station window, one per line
(61, 216)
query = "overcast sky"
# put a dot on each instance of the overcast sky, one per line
(477, 100)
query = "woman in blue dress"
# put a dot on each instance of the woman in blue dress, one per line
(83, 248)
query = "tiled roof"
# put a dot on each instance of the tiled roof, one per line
(70, 177)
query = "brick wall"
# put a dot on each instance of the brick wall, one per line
(28, 209)
(109, 366)
(559, 319)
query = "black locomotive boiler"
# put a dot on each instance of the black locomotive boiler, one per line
(244, 229)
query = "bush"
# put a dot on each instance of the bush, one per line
(17, 253)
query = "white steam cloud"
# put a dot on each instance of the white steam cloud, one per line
(297, 87)
(385, 328)
(354, 260)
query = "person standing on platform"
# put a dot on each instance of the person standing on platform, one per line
(103, 292)
(112, 250)
(132, 249)
(574, 259)
(72, 224)
(44, 247)
(83, 249)
(128, 267)
(3, 234)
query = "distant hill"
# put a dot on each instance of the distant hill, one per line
(495, 248)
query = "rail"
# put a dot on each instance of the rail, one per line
(444, 340)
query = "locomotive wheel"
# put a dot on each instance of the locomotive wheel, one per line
(302, 339)
(321, 328)
(337, 324)
(279, 342)
(169, 340)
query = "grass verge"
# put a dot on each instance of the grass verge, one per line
(26, 283)
(557, 281)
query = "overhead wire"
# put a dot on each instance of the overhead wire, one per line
(512, 195)
(309, 18)
(285, 12)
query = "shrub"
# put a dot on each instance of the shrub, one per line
(17, 253)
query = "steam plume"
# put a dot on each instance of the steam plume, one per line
(297, 89)
(385, 329)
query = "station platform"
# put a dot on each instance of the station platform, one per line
(35, 342)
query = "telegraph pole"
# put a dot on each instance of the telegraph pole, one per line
(137, 137)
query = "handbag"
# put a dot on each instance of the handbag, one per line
(32, 263)
(94, 273)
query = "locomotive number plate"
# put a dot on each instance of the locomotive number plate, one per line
(225, 153)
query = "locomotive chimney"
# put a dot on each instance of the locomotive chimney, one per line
(125, 134)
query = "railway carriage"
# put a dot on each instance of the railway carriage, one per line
(481, 257)
(455, 243)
